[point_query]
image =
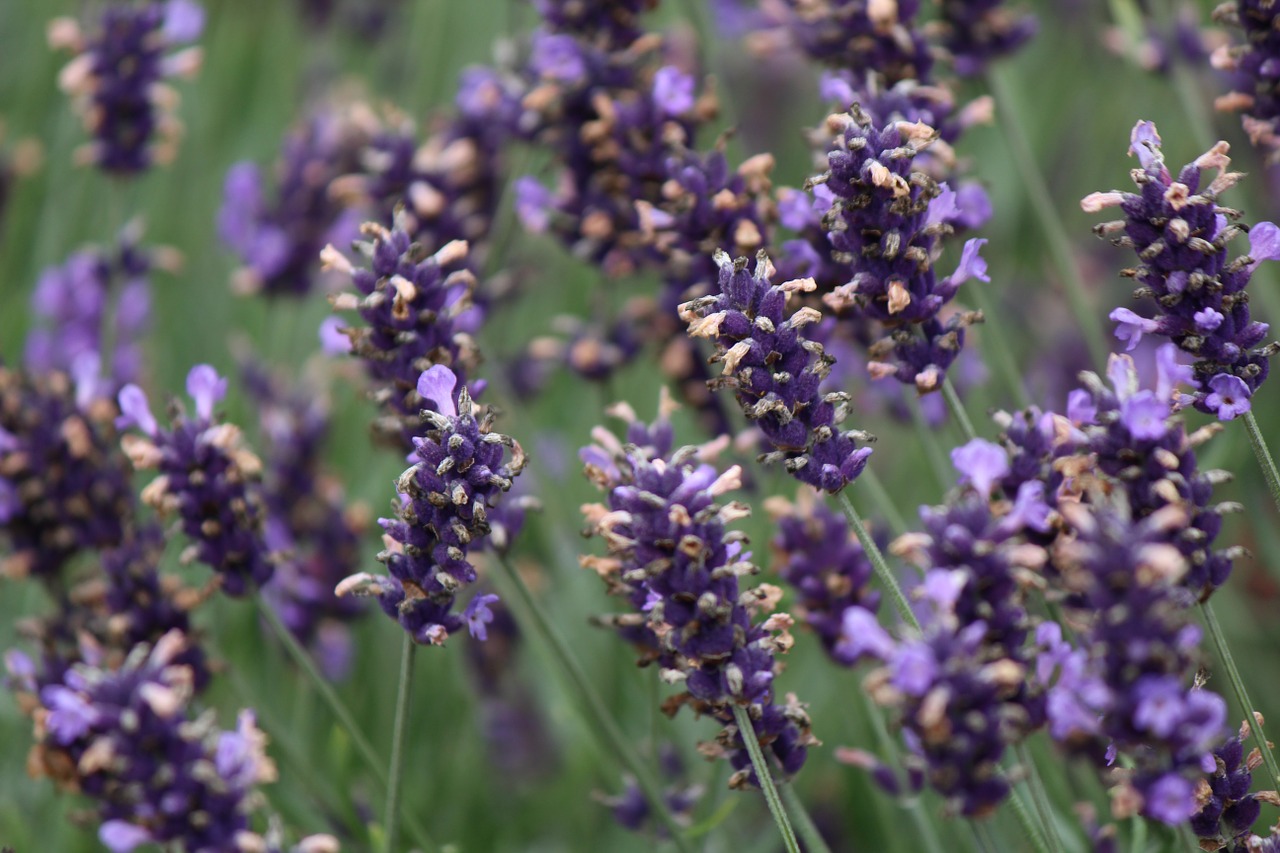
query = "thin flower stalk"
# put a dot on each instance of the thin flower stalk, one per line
(1219, 641)
(765, 777)
(886, 575)
(390, 819)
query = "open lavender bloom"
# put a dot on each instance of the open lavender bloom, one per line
(775, 371)
(974, 32)
(672, 557)
(417, 312)
(1124, 685)
(1252, 65)
(64, 487)
(128, 739)
(1180, 234)
(207, 479)
(1230, 809)
(278, 239)
(459, 472)
(117, 80)
(817, 553)
(73, 303)
(886, 222)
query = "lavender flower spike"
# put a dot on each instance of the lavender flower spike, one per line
(1180, 235)
(458, 474)
(775, 372)
(208, 479)
(117, 80)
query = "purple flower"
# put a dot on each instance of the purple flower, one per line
(981, 463)
(673, 90)
(1131, 327)
(478, 615)
(1229, 397)
(1171, 799)
(1143, 414)
(122, 837)
(534, 204)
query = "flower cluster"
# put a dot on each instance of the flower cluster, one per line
(127, 739)
(671, 555)
(1123, 686)
(974, 33)
(418, 313)
(76, 303)
(1252, 66)
(816, 552)
(459, 472)
(886, 223)
(278, 240)
(1230, 809)
(64, 487)
(863, 36)
(775, 372)
(314, 533)
(1180, 234)
(117, 79)
(631, 809)
(206, 478)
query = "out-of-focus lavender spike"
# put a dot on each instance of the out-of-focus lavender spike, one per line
(417, 313)
(816, 552)
(278, 234)
(632, 811)
(1231, 809)
(1254, 70)
(670, 554)
(129, 739)
(64, 486)
(95, 293)
(310, 526)
(863, 36)
(117, 80)
(975, 32)
(460, 470)
(775, 372)
(1124, 685)
(1180, 235)
(207, 479)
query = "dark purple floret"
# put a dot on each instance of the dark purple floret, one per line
(886, 223)
(775, 373)
(207, 479)
(610, 23)
(1229, 808)
(65, 488)
(127, 739)
(1180, 234)
(459, 472)
(631, 809)
(117, 79)
(817, 553)
(974, 32)
(417, 312)
(278, 235)
(672, 557)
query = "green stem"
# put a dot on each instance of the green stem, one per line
(878, 563)
(813, 840)
(1029, 828)
(597, 712)
(883, 501)
(932, 450)
(928, 833)
(1263, 454)
(348, 722)
(403, 691)
(1219, 640)
(957, 409)
(1039, 798)
(1052, 227)
(997, 347)
(748, 733)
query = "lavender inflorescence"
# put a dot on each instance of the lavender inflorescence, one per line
(117, 79)
(459, 472)
(775, 373)
(1252, 67)
(672, 557)
(1229, 808)
(974, 32)
(207, 479)
(1180, 234)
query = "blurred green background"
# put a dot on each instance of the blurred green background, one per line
(1076, 101)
